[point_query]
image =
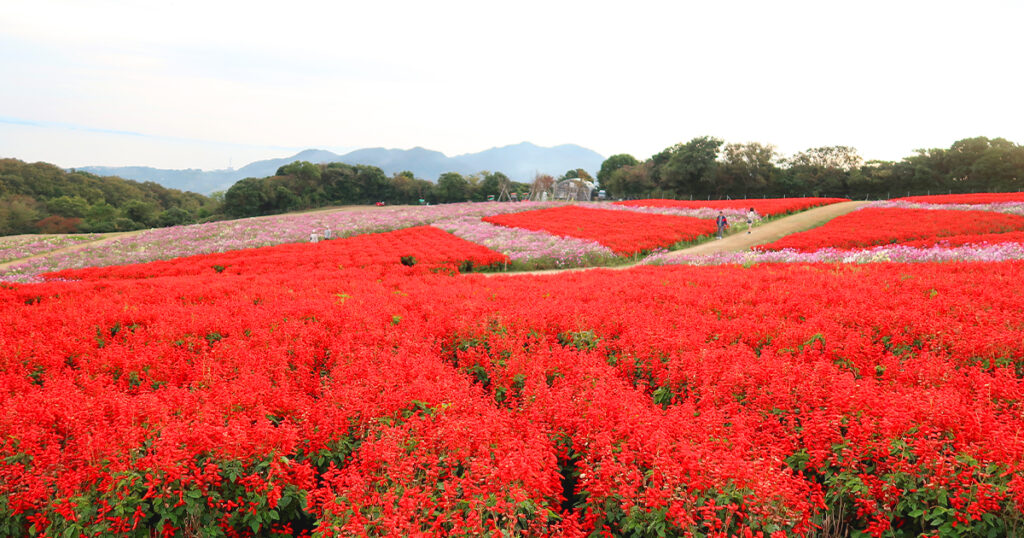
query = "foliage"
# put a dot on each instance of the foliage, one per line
(613, 163)
(688, 167)
(698, 169)
(452, 187)
(40, 197)
(303, 185)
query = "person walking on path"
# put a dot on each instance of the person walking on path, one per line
(722, 224)
(751, 218)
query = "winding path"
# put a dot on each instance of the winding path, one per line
(740, 241)
(773, 230)
(108, 237)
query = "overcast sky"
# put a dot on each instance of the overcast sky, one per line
(205, 84)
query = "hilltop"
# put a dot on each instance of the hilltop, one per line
(519, 162)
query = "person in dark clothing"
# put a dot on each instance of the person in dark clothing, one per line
(722, 224)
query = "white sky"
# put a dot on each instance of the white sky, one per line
(199, 84)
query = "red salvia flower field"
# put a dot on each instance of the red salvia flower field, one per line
(975, 198)
(364, 386)
(763, 206)
(883, 226)
(968, 239)
(624, 232)
(315, 398)
(421, 244)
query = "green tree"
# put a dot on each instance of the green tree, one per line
(373, 183)
(746, 168)
(18, 215)
(630, 181)
(983, 164)
(248, 197)
(68, 206)
(340, 184)
(141, 212)
(283, 198)
(305, 171)
(100, 218)
(823, 171)
(125, 224)
(174, 216)
(613, 163)
(492, 183)
(689, 168)
(452, 187)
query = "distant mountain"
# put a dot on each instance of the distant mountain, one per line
(520, 162)
(269, 167)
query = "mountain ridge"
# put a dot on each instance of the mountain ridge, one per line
(518, 161)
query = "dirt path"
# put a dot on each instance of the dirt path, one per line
(741, 241)
(772, 231)
(71, 248)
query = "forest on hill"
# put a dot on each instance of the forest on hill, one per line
(43, 198)
(708, 167)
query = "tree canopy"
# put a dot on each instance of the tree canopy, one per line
(707, 167)
(43, 198)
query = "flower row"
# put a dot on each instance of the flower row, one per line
(875, 226)
(425, 245)
(904, 253)
(763, 206)
(23, 246)
(975, 198)
(624, 232)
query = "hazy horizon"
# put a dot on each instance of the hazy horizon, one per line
(206, 86)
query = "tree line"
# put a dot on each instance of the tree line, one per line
(708, 167)
(304, 185)
(43, 198)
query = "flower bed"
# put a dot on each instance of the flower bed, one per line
(528, 249)
(874, 226)
(1016, 208)
(977, 198)
(24, 246)
(223, 236)
(904, 253)
(393, 400)
(624, 232)
(410, 246)
(763, 206)
(960, 240)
